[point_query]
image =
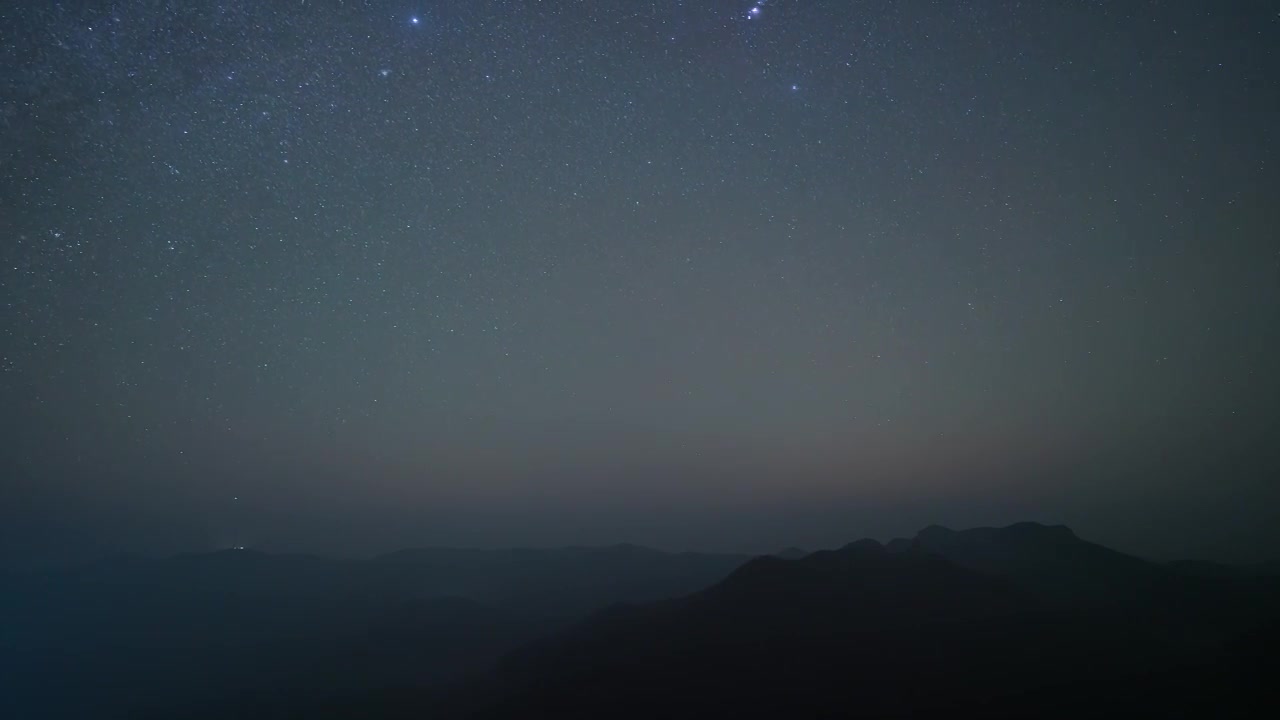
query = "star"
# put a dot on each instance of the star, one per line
(499, 182)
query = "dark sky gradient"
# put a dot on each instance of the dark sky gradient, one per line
(347, 276)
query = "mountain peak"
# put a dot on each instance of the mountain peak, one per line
(865, 546)
(1049, 559)
(1021, 531)
(1039, 529)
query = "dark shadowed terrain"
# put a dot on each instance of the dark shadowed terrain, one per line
(240, 631)
(1022, 620)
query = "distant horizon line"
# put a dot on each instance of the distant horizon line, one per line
(267, 549)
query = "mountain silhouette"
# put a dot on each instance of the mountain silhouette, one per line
(970, 622)
(1025, 620)
(242, 632)
(859, 583)
(1051, 561)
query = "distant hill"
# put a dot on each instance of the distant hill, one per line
(1026, 620)
(562, 582)
(130, 637)
(1052, 562)
(791, 553)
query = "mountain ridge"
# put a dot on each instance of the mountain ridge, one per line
(950, 621)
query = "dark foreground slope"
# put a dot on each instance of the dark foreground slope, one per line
(243, 633)
(1013, 622)
(1023, 621)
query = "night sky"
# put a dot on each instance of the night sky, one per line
(350, 276)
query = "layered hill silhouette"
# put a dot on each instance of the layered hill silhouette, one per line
(241, 632)
(1027, 620)
(1051, 561)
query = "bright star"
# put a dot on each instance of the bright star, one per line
(413, 20)
(753, 12)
